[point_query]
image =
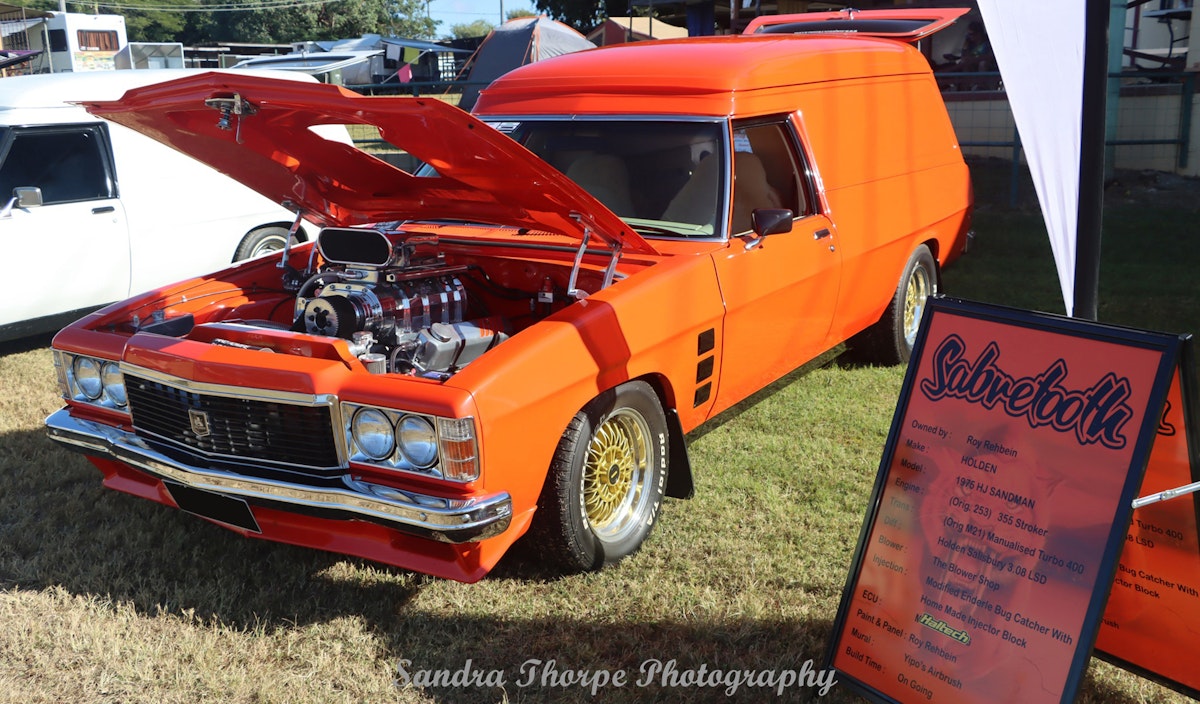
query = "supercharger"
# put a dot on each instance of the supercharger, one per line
(402, 308)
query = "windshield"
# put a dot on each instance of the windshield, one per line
(664, 178)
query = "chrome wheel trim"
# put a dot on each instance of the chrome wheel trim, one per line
(267, 246)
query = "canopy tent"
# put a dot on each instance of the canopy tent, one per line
(16, 23)
(14, 58)
(417, 59)
(363, 60)
(516, 43)
(349, 67)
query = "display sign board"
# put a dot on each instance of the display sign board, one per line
(1000, 506)
(1151, 624)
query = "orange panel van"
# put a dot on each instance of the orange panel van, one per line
(513, 339)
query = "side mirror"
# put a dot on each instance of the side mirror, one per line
(22, 197)
(769, 221)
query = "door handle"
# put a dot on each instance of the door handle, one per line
(822, 233)
(103, 209)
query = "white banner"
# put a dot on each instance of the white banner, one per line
(1039, 48)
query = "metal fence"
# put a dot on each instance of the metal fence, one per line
(1154, 116)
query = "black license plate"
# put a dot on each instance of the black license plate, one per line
(215, 507)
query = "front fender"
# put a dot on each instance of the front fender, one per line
(528, 389)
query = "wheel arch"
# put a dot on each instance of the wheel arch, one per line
(679, 465)
(302, 233)
(935, 248)
(248, 244)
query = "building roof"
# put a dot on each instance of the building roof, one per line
(27, 12)
(640, 27)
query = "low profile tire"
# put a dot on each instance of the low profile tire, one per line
(605, 485)
(263, 240)
(890, 341)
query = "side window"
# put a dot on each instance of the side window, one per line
(97, 40)
(58, 40)
(768, 173)
(68, 165)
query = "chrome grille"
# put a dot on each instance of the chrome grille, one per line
(218, 426)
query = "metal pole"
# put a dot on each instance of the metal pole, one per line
(1116, 50)
(1014, 178)
(1091, 161)
(1187, 90)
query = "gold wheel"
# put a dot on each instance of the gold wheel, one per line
(915, 294)
(615, 474)
(605, 485)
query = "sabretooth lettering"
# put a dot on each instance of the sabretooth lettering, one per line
(1095, 414)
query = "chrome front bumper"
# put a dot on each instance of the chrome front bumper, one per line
(436, 518)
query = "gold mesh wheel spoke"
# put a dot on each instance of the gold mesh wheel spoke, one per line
(615, 472)
(914, 302)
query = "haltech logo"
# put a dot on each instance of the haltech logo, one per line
(199, 423)
(944, 628)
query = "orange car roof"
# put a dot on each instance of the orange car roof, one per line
(714, 76)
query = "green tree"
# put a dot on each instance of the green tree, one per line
(338, 19)
(153, 25)
(47, 5)
(478, 28)
(334, 20)
(583, 15)
(519, 13)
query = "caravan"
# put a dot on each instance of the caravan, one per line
(78, 42)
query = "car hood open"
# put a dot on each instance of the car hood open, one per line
(268, 134)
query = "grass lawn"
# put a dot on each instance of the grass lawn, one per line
(108, 598)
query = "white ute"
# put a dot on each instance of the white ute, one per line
(92, 212)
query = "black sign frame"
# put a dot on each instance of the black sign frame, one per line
(1168, 348)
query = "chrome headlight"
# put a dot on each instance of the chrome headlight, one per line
(114, 383)
(87, 377)
(91, 380)
(373, 433)
(445, 448)
(417, 441)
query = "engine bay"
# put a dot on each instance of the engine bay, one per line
(400, 302)
(402, 308)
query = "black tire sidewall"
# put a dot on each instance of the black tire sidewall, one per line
(583, 548)
(255, 238)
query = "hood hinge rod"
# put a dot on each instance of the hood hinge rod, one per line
(571, 290)
(291, 235)
(610, 271)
